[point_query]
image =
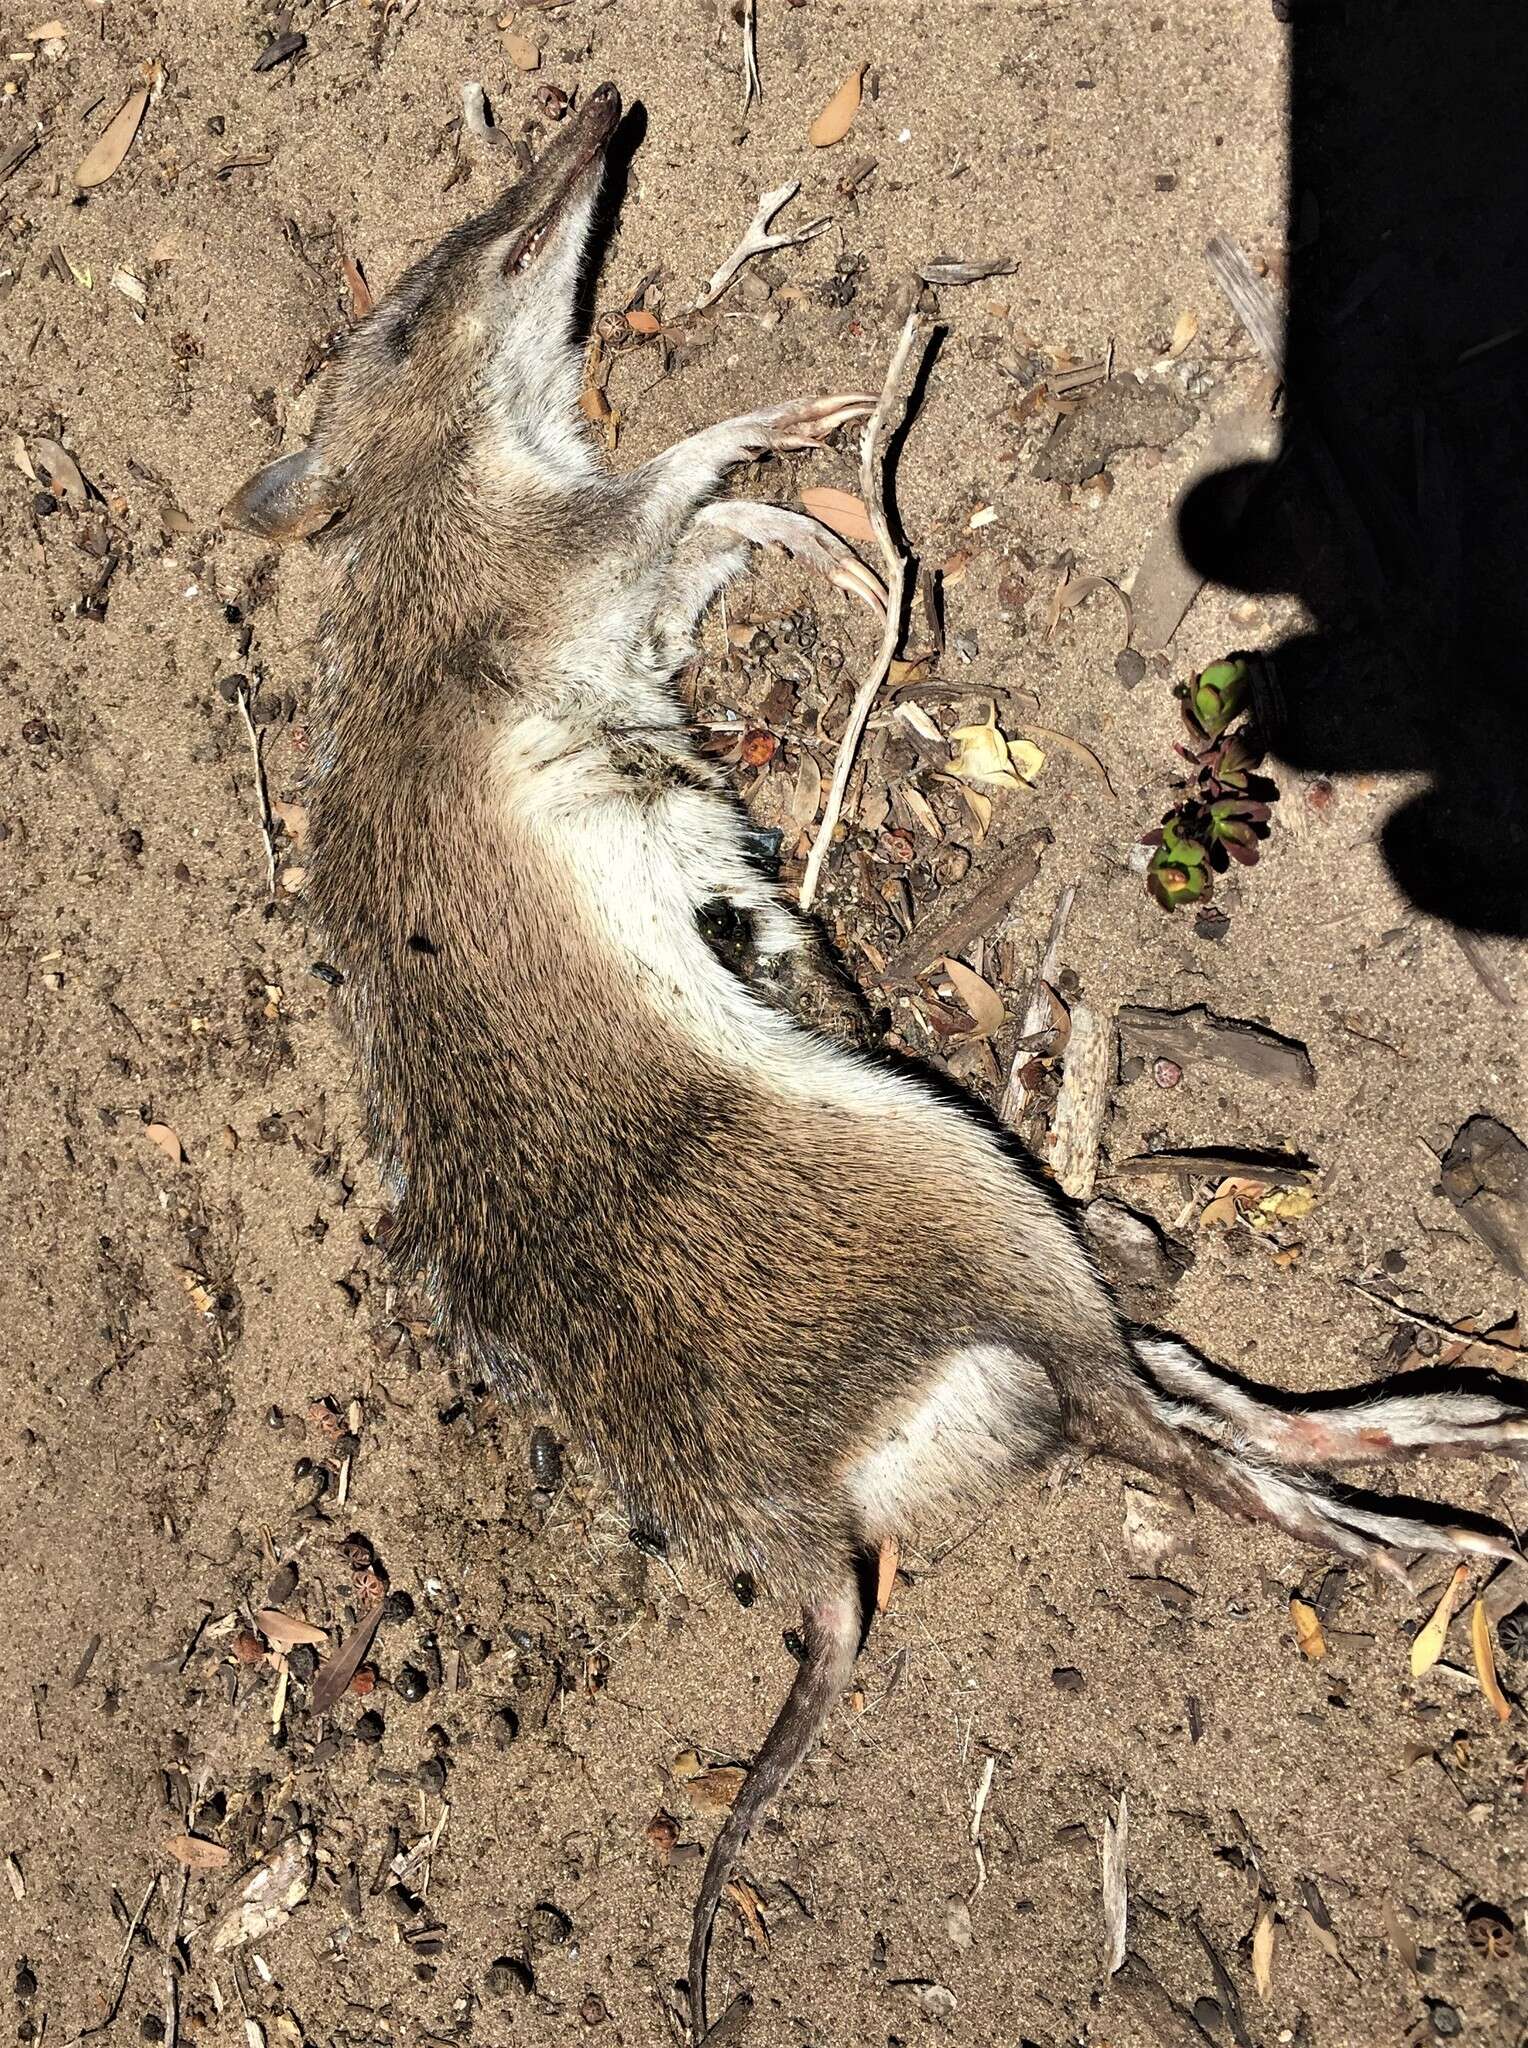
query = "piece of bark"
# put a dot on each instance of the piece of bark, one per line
(1078, 1126)
(1485, 1176)
(1167, 582)
(1198, 1034)
(1274, 1169)
(1121, 413)
(977, 913)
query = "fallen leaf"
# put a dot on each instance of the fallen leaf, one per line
(980, 808)
(662, 1832)
(132, 288)
(751, 1906)
(295, 818)
(922, 811)
(167, 1141)
(837, 117)
(979, 998)
(361, 300)
(196, 1852)
(1184, 330)
(1307, 1630)
(1076, 748)
(840, 510)
(286, 1631)
(806, 798)
(1263, 1936)
(1115, 1846)
(643, 322)
(62, 471)
(1325, 1935)
(114, 141)
(1427, 1644)
(1288, 1203)
(521, 51)
(1026, 758)
(982, 754)
(1485, 1662)
(1074, 590)
(1400, 1940)
(686, 1765)
(1222, 1210)
(886, 1573)
(336, 1672)
(715, 1790)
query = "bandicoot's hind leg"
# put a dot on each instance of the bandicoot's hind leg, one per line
(1432, 1411)
(1239, 1444)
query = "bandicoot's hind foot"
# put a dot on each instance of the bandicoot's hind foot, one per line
(796, 423)
(1254, 1452)
(811, 543)
(1431, 1412)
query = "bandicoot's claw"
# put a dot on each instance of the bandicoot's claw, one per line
(805, 539)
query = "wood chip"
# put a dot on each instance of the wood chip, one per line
(1116, 1845)
(268, 1895)
(1308, 1633)
(114, 141)
(1264, 1935)
(1083, 1100)
(1197, 1033)
(886, 1573)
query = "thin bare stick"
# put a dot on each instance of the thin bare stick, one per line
(873, 491)
(262, 793)
(1038, 1014)
(978, 1808)
(757, 241)
(1424, 1321)
(752, 89)
(124, 1970)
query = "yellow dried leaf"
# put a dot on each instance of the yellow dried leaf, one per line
(1308, 1630)
(806, 798)
(114, 141)
(977, 997)
(837, 117)
(1427, 1643)
(1485, 1662)
(982, 754)
(1263, 1936)
(168, 1142)
(1026, 758)
(840, 510)
(1288, 1203)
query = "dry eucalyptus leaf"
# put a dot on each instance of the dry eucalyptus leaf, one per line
(1075, 590)
(63, 472)
(196, 1852)
(840, 510)
(1308, 1632)
(1485, 1662)
(806, 798)
(982, 754)
(114, 141)
(837, 117)
(361, 300)
(978, 997)
(295, 819)
(1263, 1937)
(1076, 748)
(641, 321)
(945, 270)
(168, 1142)
(286, 1631)
(886, 1573)
(1427, 1644)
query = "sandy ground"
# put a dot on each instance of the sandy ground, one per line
(170, 1323)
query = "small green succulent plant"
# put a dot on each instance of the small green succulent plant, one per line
(1223, 808)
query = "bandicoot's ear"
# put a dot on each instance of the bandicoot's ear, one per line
(289, 499)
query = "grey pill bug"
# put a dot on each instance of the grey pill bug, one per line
(546, 1459)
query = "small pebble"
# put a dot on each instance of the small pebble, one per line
(399, 1608)
(504, 1727)
(26, 1982)
(302, 1662)
(1129, 666)
(151, 2027)
(592, 2011)
(1208, 2015)
(44, 504)
(1445, 2020)
(432, 1774)
(1166, 1073)
(370, 1728)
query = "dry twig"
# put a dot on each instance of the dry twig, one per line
(124, 1970)
(752, 89)
(1424, 1321)
(757, 241)
(873, 491)
(262, 793)
(979, 1807)
(1038, 1013)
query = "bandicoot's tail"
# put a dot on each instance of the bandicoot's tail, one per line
(833, 1629)
(1258, 1452)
